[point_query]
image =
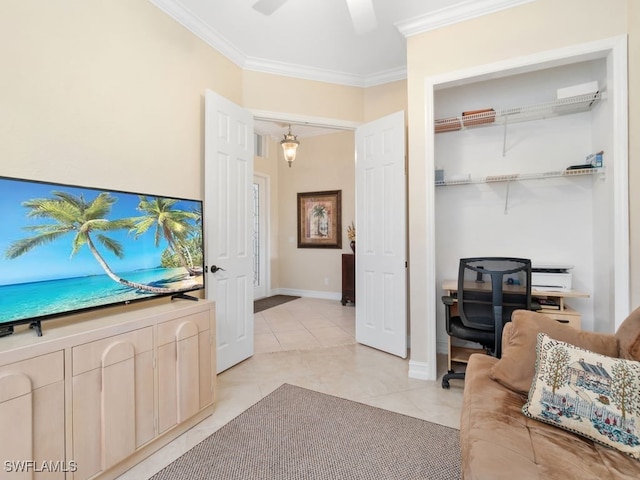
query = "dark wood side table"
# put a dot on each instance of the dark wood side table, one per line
(348, 278)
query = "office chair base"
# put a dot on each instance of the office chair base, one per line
(451, 375)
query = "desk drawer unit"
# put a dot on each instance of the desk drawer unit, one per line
(567, 315)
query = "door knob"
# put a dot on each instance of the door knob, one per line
(215, 268)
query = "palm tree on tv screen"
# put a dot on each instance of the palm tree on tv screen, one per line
(172, 225)
(73, 214)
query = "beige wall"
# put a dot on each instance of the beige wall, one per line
(302, 97)
(383, 100)
(516, 32)
(105, 94)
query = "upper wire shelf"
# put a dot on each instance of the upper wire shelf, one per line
(490, 117)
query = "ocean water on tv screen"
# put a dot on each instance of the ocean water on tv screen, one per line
(35, 299)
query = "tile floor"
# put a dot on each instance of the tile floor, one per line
(310, 343)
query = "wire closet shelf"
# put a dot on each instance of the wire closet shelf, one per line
(488, 118)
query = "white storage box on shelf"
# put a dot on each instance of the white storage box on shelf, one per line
(575, 90)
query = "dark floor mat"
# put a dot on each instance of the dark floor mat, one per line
(273, 301)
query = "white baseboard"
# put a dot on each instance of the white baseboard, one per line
(422, 370)
(307, 293)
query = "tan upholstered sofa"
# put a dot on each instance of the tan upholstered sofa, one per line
(499, 442)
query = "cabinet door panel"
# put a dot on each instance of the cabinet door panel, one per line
(188, 373)
(32, 402)
(118, 403)
(113, 409)
(145, 413)
(48, 428)
(87, 423)
(207, 368)
(16, 407)
(184, 369)
(167, 400)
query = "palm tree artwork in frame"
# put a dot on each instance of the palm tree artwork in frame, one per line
(320, 219)
(72, 248)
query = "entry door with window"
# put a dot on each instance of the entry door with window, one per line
(260, 236)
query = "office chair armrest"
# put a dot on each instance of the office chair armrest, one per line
(448, 300)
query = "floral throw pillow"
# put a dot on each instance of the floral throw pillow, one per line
(592, 395)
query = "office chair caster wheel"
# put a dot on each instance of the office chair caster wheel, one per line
(445, 379)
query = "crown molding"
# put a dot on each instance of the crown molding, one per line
(198, 27)
(455, 14)
(303, 72)
(386, 76)
(324, 75)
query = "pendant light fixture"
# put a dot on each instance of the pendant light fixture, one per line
(289, 146)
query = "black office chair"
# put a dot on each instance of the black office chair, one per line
(489, 290)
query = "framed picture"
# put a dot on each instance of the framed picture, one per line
(320, 219)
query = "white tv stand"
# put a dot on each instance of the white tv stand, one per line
(95, 395)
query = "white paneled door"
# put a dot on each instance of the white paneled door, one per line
(229, 226)
(381, 292)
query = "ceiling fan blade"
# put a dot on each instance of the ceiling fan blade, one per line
(267, 7)
(363, 15)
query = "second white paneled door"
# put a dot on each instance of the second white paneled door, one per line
(381, 285)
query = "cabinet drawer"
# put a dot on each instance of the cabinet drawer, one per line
(167, 330)
(42, 370)
(568, 316)
(89, 356)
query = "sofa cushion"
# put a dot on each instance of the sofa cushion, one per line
(498, 442)
(516, 368)
(628, 335)
(587, 393)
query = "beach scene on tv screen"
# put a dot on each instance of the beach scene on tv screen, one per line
(66, 248)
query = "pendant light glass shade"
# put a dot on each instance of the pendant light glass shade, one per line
(289, 146)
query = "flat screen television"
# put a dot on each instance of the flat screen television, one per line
(66, 249)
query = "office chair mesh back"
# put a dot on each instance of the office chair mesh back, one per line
(489, 290)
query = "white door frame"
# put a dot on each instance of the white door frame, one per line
(311, 121)
(304, 120)
(617, 48)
